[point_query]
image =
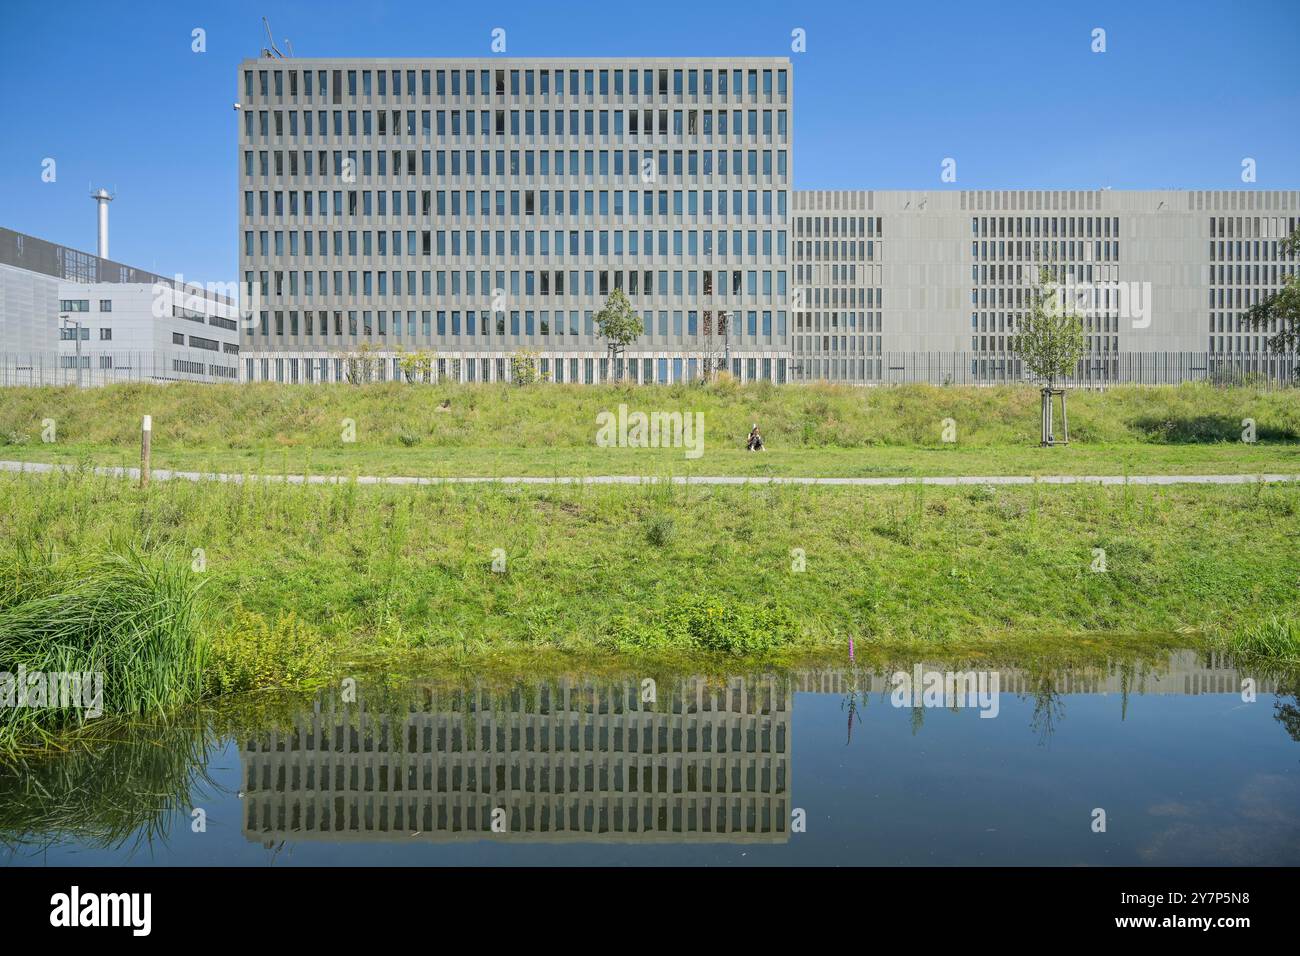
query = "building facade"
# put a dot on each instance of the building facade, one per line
(70, 317)
(932, 285)
(476, 208)
(584, 761)
(177, 333)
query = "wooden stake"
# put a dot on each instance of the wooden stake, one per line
(146, 436)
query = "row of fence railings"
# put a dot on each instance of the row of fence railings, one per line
(96, 367)
(1100, 371)
(1265, 371)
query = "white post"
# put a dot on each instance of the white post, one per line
(146, 437)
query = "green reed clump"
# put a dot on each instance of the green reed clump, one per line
(1276, 639)
(132, 619)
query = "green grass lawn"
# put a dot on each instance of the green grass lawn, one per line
(377, 570)
(1101, 459)
(495, 430)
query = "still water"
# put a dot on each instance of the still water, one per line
(1013, 765)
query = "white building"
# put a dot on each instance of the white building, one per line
(69, 317)
(132, 331)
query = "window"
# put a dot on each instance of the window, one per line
(105, 305)
(178, 338)
(74, 305)
(105, 335)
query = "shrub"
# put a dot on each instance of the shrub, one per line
(711, 623)
(253, 653)
(524, 365)
(659, 530)
(724, 384)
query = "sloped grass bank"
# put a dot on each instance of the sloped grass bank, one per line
(393, 415)
(346, 574)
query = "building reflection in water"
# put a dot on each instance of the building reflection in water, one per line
(710, 761)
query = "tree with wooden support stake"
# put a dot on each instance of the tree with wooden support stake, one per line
(619, 325)
(1050, 342)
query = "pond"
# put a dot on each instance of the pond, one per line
(1181, 760)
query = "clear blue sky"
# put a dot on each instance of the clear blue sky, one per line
(885, 91)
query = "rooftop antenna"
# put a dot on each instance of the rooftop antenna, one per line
(271, 40)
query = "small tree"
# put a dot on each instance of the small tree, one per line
(361, 365)
(524, 365)
(416, 366)
(1050, 342)
(1279, 312)
(619, 325)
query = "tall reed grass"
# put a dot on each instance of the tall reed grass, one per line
(132, 619)
(1276, 640)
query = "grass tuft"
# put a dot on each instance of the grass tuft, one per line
(134, 620)
(1276, 640)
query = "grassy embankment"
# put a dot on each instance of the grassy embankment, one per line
(301, 583)
(295, 584)
(490, 430)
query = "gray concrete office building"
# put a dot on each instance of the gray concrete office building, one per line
(475, 208)
(932, 285)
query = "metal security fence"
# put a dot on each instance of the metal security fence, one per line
(100, 367)
(1095, 371)
(96, 367)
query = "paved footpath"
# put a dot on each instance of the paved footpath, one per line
(164, 474)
